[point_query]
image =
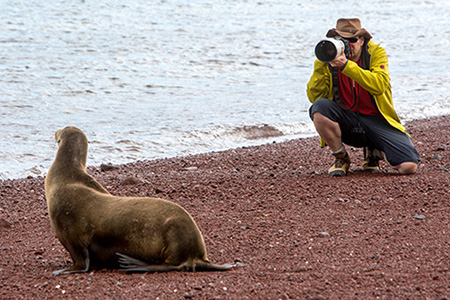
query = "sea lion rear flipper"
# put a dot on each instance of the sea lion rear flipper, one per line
(207, 266)
(127, 262)
(130, 264)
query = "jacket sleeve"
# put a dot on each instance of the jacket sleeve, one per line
(376, 80)
(319, 85)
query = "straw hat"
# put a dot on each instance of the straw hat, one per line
(349, 28)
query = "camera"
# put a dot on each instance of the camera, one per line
(328, 49)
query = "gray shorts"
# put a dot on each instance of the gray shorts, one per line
(396, 145)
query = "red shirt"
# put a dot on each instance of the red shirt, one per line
(353, 95)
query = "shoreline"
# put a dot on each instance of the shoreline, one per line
(93, 166)
(301, 233)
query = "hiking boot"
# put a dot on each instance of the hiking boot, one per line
(340, 165)
(372, 159)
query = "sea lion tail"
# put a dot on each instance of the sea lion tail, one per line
(207, 266)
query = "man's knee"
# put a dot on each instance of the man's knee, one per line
(319, 117)
(321, 105)
(323, 121)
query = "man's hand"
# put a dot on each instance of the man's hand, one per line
(339, 61)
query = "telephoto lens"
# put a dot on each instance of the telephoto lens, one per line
(328, 49)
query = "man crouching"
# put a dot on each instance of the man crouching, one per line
(352, 102)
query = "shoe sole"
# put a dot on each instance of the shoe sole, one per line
(337, 173)
(370, 169)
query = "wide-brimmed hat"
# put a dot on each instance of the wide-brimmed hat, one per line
(349, 28)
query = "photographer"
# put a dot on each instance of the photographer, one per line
(352, 102)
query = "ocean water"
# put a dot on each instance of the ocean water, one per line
(148, 79)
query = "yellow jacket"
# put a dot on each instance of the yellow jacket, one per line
(376, 81)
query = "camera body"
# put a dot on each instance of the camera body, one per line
(328, 49)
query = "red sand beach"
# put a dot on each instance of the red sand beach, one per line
(301, 233)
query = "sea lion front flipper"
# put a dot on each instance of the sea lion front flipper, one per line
(81, 260)
(73, 269)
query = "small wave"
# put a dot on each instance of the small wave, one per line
(252, 133)
(257, 132)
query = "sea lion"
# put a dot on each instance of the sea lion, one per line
(137, 234)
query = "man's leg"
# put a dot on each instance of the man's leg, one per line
(331, 134)
(329, 119)
(329, 131)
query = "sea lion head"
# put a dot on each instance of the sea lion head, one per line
(73, 146)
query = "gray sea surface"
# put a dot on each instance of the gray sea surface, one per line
(151, 79)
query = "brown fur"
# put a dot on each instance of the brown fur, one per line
(101, 230)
